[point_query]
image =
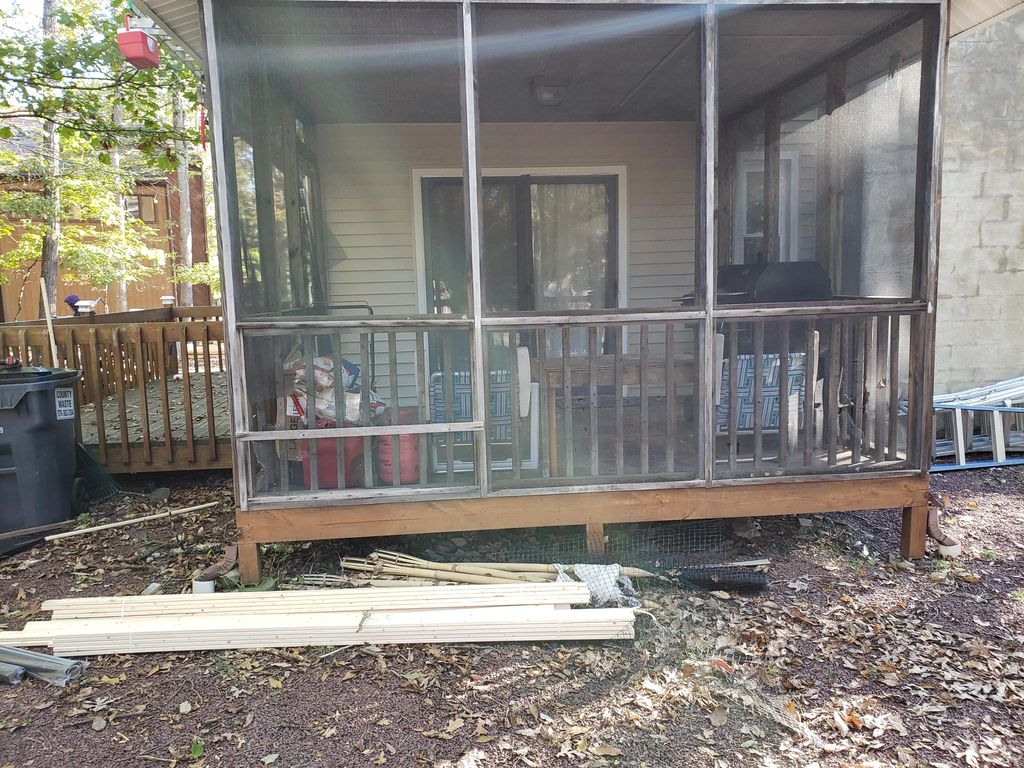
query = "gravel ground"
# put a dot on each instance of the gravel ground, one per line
(850, 657)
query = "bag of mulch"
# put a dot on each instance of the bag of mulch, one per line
(323, 370)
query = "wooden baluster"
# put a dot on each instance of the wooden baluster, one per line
(734, 406)
(894, 387)
(338, 370)
(811, 352)
(186, 392)
(645, 417)
(592, 353)
(364, 407)
(548, 461)
(23, 350)
(92, 371)
(514, 394)
(311, 415)
(620, 426)
(122, 405)
(211, 430)
(286, 384)
(570, 442)
(165, 399)
(832, 399)
(881, 385)
(845, 374)
(396, 456)
(69, 362)
(449, 406)
(140, 384)
(670, 397)
(423, 397)
(858, 388)
(784, 442)
(758, 393)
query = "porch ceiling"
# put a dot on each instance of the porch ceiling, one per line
(400, 63)
(182, 19)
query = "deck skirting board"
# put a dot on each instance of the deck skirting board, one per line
(661, 504)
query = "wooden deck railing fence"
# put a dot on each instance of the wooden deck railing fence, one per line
(151, 396)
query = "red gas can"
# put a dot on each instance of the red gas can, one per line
(327, 462)
(139, 48)
(408, 452)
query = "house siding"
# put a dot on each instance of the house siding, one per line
(367, 178)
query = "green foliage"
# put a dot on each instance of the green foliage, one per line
(198, 748)
(99, 244)
(75, 77)
(202, 273)
(78, 80)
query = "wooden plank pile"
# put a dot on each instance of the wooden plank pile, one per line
(418, 614)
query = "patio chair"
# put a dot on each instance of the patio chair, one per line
(501, 415)
(799, 372)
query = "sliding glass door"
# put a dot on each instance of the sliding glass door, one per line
(549, 243)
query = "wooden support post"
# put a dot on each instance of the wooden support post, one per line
(299, 281)
(249, 562)
(914, 531)
(772, 171)
(835, 97)
(595, 538)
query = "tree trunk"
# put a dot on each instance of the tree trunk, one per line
(184, 290)
(121, 302)
(51, 186)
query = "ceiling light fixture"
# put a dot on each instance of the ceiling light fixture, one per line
(548, 92)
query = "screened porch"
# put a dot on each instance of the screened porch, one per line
(485, 249)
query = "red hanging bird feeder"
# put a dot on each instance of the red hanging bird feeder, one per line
(138, 47)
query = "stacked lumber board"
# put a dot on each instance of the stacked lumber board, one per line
(436, 614)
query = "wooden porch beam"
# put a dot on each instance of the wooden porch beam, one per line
(539, 510)
(807, 74)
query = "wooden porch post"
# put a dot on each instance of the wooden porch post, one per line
(249, 565)
(926, 265)
(772, 174)
(224, 181)
(707, 202)
(914, 531)
(473, 184)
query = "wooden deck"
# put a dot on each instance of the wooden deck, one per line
(176, 409)
(145, 376)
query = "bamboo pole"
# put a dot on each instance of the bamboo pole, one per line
(49, 324)
(625, 570)
(396, 558)
(133, 521)
(354, 564)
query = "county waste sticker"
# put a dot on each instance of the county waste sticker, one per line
(65, 399)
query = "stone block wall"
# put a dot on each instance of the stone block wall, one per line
(980, 334)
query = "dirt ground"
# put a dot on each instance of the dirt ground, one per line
(849, 657)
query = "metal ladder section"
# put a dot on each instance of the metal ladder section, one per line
(999, 428)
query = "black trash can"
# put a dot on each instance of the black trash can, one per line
(37, 446)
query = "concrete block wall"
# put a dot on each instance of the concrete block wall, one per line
(980, 334)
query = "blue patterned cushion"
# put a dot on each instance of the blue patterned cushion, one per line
(462, 404)
(769, 391)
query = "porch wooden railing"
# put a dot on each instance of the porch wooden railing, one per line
(152, 395)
